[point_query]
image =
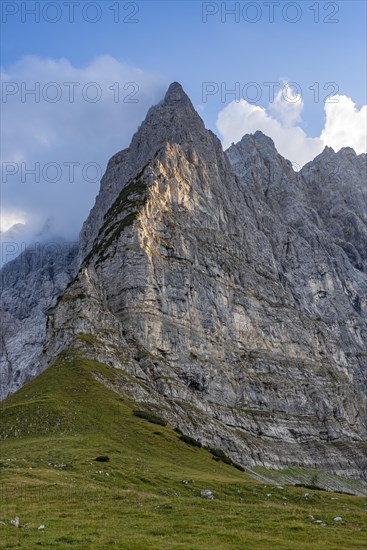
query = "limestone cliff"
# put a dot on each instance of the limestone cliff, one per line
(231, 289)
(215, 280)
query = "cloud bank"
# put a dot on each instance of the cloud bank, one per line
(345, 126)
(60, 126)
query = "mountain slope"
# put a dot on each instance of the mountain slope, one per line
(148, 494)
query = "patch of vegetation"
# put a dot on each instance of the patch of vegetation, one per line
(143, 353)
(88, 338)
(314, 479)
(220, 455)
(130, 201)
(115, 231)
(313, 484)
(153, 418)
(238, 467)
(133, 195)
(190, 441)
(309, 486)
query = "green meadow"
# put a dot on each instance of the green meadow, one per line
(144, 492)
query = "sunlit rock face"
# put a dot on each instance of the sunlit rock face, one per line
(224, 285)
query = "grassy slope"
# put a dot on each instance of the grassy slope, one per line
(56, 425)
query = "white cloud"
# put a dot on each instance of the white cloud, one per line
(37, 131)
(240, 118)
(9, 219)
(287, 106)
(345, 126)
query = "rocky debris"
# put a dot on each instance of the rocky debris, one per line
(15, 522)
(205, 493)
(338, 518)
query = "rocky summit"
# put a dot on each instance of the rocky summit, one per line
(230, 289)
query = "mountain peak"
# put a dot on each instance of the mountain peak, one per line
(175, 93)
(259, 141)
(345, 154)
(251, 145)
(176, 104)
(173, 120)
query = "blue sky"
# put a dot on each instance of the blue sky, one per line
(324, 46)
(171, 39)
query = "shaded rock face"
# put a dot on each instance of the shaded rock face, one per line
(222, 283)
(30, 284)
(314, 266)
(335, 187)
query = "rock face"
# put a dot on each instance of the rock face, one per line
(30, 284)
(228, 288)
(335, 187)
